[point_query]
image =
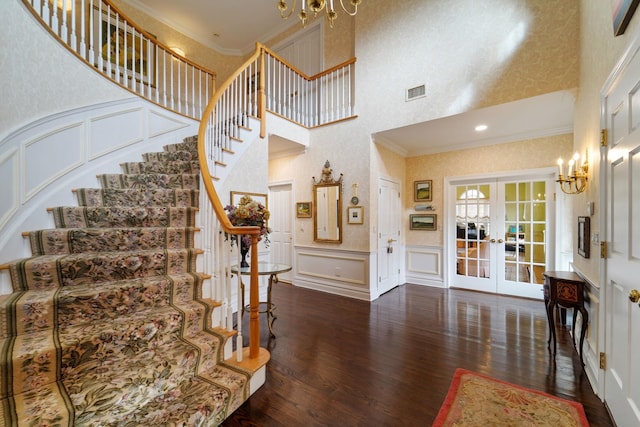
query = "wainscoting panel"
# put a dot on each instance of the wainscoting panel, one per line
(159, 123)
(335, 271)
(113, 131)
(52, 155)
(424, 265)
(593, 344)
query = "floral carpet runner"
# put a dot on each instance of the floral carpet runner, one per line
(106, 325)
(478, 400)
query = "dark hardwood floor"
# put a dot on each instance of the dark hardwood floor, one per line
(337, 361)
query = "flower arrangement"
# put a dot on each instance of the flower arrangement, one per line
(250, 212)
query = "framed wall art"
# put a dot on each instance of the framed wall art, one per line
(422, 191)
(622, 11)
(428, 222)
(584, 231)
(257, 197)
(304, 209)
(355, 215)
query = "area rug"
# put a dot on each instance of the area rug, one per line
(477, 400)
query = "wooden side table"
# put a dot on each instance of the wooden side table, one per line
(264, 269)
(565, 289)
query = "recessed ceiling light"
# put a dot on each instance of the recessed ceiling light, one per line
(481, 128)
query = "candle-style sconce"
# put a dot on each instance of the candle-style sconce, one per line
(575, 180)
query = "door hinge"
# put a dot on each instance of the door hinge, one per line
(603, 138)
(603, 361)
(603, 250)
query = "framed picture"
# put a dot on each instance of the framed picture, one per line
(427, 222)
(123, 49)
(355, 215)
(584, 233)
(304, 209)
(422, 191)
(258, 197)
(622, 11)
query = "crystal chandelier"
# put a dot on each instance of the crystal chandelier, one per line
(575, 181)
(316, 6)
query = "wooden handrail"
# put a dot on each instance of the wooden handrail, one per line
(253, 231)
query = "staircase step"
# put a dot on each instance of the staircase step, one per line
(135, 197)
(170, 156)
(82, 216)
(50, 271)
(189, 144)
(143, 340)
(193, 402)
(157, 180)
(79, 240)
(177, 167)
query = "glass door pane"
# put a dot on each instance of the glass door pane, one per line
(525, 236)
(473, 229)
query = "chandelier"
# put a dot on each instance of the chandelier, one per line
(575, 181)
(316, 7)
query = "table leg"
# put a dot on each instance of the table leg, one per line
(583, 329)
(552, 326)
(270, 307)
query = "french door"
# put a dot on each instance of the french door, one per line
(501, 233)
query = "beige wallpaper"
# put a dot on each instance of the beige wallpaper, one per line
(39, 76)
(469, 54)
(531, 154)
(599, 53)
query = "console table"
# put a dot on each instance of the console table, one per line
(264, 269)
(565, 289)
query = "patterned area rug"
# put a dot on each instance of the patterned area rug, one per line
(477, 400)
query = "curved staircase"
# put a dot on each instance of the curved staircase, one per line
(107, 325)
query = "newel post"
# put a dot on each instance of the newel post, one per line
(254, 302)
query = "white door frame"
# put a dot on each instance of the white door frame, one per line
(290, 183)
(396, 246)
(449, 212)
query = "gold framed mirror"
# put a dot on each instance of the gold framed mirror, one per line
(327, 207)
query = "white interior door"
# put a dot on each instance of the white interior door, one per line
(388, 235)
(622, 177)
(501, 232)
(281, 224)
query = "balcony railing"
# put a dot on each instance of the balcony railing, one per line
(103, 37)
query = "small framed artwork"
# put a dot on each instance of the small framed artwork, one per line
(623, 10)
(257, 197)
(584, 231)
(303, 209)
(355, 215)
(422, 191)
(427, 222)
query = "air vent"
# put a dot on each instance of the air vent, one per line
(416, 92)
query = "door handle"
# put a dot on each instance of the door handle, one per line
(634, 296)
(492, 240)
(500, 241)
(391, 240)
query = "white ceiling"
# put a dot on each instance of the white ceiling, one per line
(233, 27)
(544, 115)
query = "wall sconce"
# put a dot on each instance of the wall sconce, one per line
(575, 181)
